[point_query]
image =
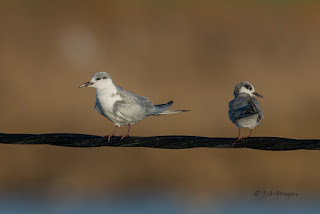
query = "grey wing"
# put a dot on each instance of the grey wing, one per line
(241, 107)
(257, 107)
(132, 107)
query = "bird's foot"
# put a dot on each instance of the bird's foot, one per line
(109, 137)
(124, 137)
(238, 139)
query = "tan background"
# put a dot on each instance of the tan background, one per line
(192, 52)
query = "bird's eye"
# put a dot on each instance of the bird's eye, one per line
(250, 89)
(98, 78)
(104, 77)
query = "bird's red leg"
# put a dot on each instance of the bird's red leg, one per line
(239, 138)
(127, 135)
(249, 134)
(113, 133)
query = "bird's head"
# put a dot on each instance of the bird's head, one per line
(245, 87)
(99, 80)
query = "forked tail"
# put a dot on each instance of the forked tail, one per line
(163, 109)
(173, 111)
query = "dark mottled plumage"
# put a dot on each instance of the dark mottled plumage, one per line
(244, 109)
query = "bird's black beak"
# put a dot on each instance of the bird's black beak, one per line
(258, 95)
(86, 84)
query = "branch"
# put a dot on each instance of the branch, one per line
(162, 142)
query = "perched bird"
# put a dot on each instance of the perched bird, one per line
(244, 109)
(122, 107)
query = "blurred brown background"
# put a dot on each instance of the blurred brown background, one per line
(192, 52)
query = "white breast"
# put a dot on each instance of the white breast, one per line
(248, 122)
(107, 98)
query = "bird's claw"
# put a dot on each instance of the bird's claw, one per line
(238, 139)
(109, 137)
(124, 137)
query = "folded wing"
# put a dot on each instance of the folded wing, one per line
(132, 107)
(242, 107)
